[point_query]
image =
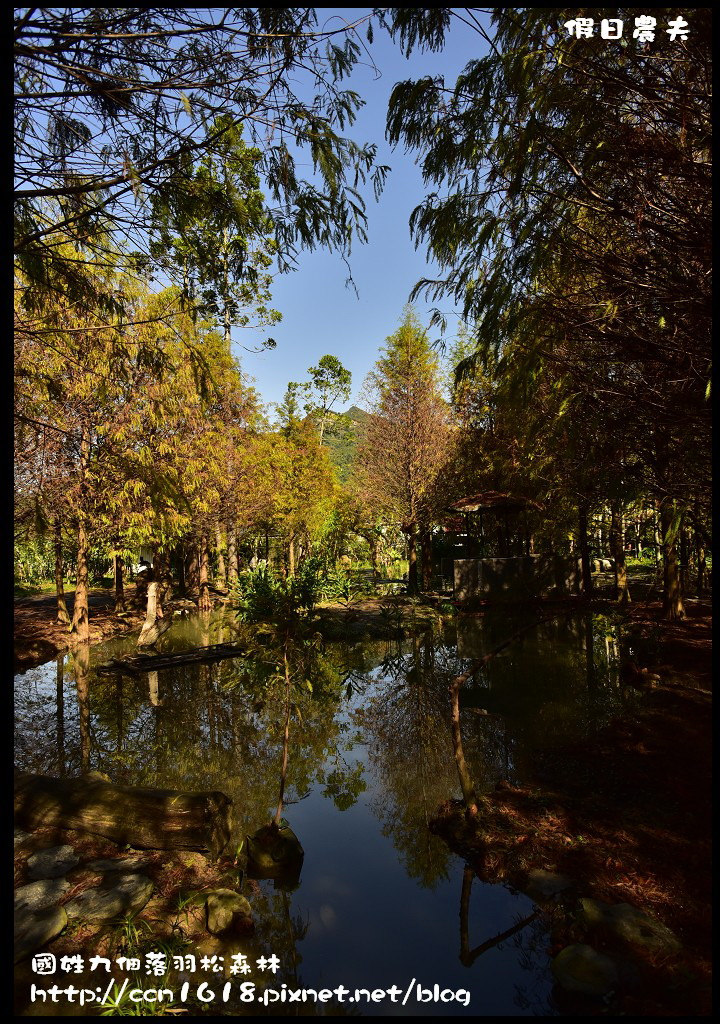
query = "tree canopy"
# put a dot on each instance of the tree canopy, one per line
(570, 213)
(162, 178)
(406, 436)
(114, 106)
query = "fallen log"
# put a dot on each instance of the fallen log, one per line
(137, 663)
(153, 819)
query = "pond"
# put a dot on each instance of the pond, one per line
(380, 900)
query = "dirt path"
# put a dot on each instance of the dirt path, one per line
(38, 638)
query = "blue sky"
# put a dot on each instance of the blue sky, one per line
(321, 315)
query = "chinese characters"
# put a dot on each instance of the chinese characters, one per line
(612, 28)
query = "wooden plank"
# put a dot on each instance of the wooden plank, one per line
(137, 663)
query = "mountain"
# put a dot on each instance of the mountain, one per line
(342, 434)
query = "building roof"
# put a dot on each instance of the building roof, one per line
(495, 501)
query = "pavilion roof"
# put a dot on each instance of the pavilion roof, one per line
(495, 501)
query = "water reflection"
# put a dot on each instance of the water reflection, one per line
(370, 758)
(81, 671)
(557, 682)
(404, 722)
(468, 956)
(60, 714)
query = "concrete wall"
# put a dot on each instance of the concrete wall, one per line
(516, 579)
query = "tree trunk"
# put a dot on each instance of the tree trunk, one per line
(81, 615)
(81, 612)
(589, 654)
(204, 602)
(62, 612)
(412, 587)
(161, 576)
(373, 542)
(658, 540)
(221, 571)
(673, 608)
(227, 336)
(291, 554)
(139, 665)
(232, 557)
(617, 541)
(286, 742)
(700, 563)
(179, 566)
(466, 783)
(426, 554)
(119, 584)
(154, 819)
(584, 550)
(193, 571)
(684, 559)
(700, 542)
(155, 623)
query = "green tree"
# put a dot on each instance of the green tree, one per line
(329, 383)
(222, 245)
(111, 104)
(569, 210)
(406, 437)
(71, 385)
(305, 491)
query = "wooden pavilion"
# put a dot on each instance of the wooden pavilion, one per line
(495, 524)
(495, 559)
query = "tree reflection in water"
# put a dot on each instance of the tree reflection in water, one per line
(378, 716)
(81, 672)
(468, 956)
(60, 713)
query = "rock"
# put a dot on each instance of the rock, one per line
(581, 968)
(124, 895)
(53, 862)
(545, 885)
(190, 859)
(41, 894)
(21, 837)
(127, 864)
(84, 877)
(228, 911)
(629, 924)
(274, 850)
(33, 930)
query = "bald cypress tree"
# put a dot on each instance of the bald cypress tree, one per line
(406, 437)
